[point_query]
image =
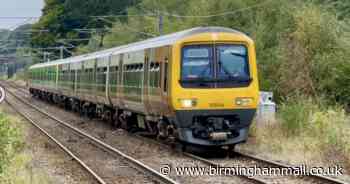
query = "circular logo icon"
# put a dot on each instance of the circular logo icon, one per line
(2, 94)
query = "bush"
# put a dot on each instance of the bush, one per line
(307, 131)
(294, 115)
(326, 127)
(331, 127)
(22, 171)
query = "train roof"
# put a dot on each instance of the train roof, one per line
(148, 43)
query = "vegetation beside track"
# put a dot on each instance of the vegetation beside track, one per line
(20, 76)
(15, 163)
(306, 131)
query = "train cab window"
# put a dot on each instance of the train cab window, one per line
(197, 61)
(232, 61)
(215, 66)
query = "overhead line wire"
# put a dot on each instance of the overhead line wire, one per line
(130, 28)
(216, 15)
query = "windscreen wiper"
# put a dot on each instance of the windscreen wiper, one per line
(236, 79)
(230, 79)
(225, 69)
(199, 80)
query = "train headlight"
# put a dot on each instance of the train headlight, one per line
(188, 103)
(244, 101)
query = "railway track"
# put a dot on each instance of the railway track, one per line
(245, 160)
(183, 179)
(103, 173)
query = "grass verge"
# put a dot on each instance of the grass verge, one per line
(15, 164)
(306, 131)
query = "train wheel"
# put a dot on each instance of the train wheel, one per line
(109, 117)
(116, 122)
(123, 122)
(162, 129)
(91, 112)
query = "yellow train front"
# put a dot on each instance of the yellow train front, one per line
(199, 86)
(214, 87)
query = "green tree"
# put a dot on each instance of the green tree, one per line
(62, 18)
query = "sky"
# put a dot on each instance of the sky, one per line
(19, 8)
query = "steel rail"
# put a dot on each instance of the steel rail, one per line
(102, 144)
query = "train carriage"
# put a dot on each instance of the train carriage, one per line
(199, 85)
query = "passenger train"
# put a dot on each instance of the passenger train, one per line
(198, 86)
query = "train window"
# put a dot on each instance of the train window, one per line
(78, 78)
(140, 67)
(165, 77)
(113, 76)
(101, 79)
(156, 66)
